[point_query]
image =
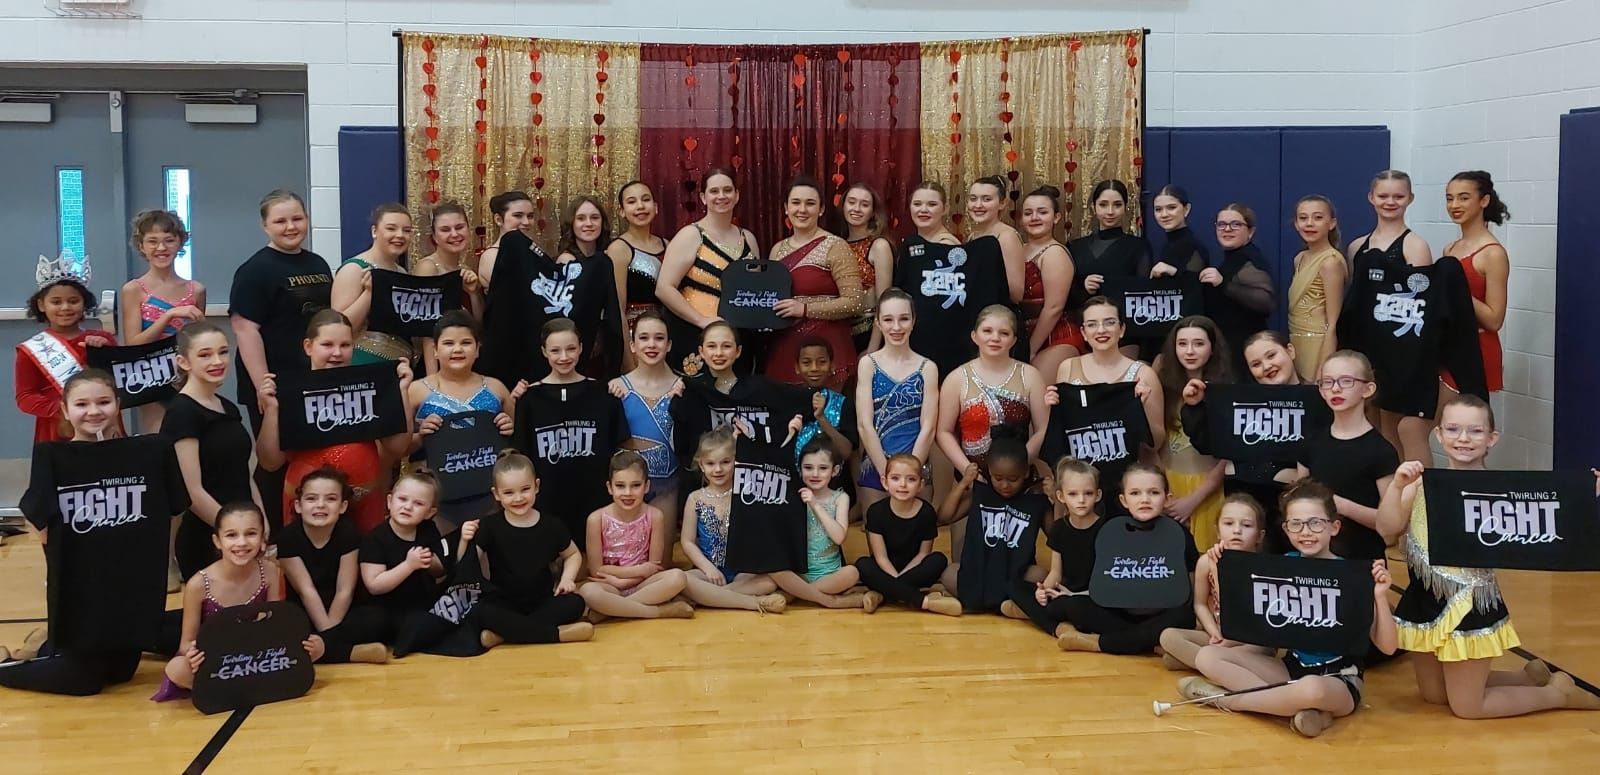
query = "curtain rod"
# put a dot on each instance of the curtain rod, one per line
(398, 32)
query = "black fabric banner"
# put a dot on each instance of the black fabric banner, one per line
(1102, 425)
(324, 407)
(145, 373)
(253, 656)
(1139, 566)
(766, 518)
(1264, 422)
(462, 454)
(408, 305)
(1526, 520)
(749, 291)
(1150, 306)
(1300, 603)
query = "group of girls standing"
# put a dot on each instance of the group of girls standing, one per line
(933, 360)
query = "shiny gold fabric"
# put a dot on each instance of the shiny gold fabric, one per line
(1073, 100)
(553, 160)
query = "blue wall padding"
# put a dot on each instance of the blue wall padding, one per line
(371, 172)
(1269, 169)
(1577, 414)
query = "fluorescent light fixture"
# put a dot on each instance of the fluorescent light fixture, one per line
(25, 112)
(208, 113)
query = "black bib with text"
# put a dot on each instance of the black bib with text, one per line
(1150, 306)
(1526, 520)
(408, 305)
(253, 656)
(1263, 422)
(749, 291)
(462, 454)
(325, 407)
(1139, 566)
(766, 518)
(144, 373)
(1300, 603)
(1102, 425)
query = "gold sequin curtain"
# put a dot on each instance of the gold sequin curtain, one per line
(486, 114)
(1060, 109)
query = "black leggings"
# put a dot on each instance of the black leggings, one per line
(529, 624)
(194, 549)
(361, 624)
(906, 588)
(79, 674)
(1120, 631)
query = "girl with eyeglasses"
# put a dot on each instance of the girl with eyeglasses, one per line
(1241, 293)
(1352, 459)
(1455, 619)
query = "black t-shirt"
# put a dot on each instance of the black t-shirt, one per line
(520, 557)
(225, 445)
(570, 432)
(902, 536)
(322, 562)
(1352, 468)
(1076, 548)
(1002, 534)
(108, 506)
(949, 285)
(279, 292)
(383, 547)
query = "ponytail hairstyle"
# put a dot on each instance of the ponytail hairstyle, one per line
(278, 196)
(1111, 184)
(456, 318)
(997, 181)
(1496, 211)
(1390, 175)
(555, 326)
(934, 186)
(245, 508)
(722, 324)
(895, 294)
(387, 208)
(1176, 192)
(1333, 214)
(324, 318)
(513, 462)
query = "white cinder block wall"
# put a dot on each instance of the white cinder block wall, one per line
(1489, 83)
(1460, 83)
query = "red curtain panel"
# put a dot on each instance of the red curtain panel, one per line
(839, 114)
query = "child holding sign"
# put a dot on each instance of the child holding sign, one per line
(1092, 626)
(329, 343)
(1240, 527)
(242, 577)
(628, 576)
(827, 578)
(457, 387)
(704, 537)
(1001, 519)
(1455, 619)
(1323, 688)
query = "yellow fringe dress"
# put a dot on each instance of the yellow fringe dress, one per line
(1456, 614)
(1187, 470)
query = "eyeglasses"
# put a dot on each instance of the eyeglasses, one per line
(1316, 524)
(1343, 383)
(1466, 431)
(1099, 325)
(1231, 225)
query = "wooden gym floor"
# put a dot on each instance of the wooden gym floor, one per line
(808, 690)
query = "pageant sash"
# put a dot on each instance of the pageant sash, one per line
(144, 373)
(1301, 603)
(1527, 520)
(57, 359)
(407, 305)
(325, 407)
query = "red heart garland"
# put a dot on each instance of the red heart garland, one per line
(481, 61)
(955, 56)
(737, 161)
(433, 197)
(838, 179)
(538, 119)
(537, 76)
(844, 56)
(429, 89)
(432, 154)
(432, 132)
(427, 67)
(600, 119)
(603, 55)
(482, 104)
(1072, 166)
(1011, 156)
(600, 98)
(538, 161)
(433, 174)
(601, 76)
(427, 45)
(690, 81)
(480, 126)
(1005, 116)
(689, 144)
(838, 158)
(599, 160)
(538, 182)
(536, 98)
(955, 138)
(599, 140)
(955, 118)
(799, 80)
(842, 119)
(800, 60)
